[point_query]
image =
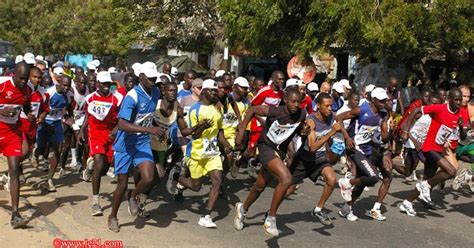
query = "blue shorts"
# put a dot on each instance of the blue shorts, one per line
(124, 160)
(52, 134)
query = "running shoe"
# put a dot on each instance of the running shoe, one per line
(424, 188)
(86, 175)
(346, 212)
(431, 205)
(17, 221)
(322, 216)
(111, 172)
(6, 179)
(459, 179)
(171, 183)
(22, 178)
(346, 189)
(348, 175)
(376, 214)
(97, 210)
(90, 163)
(50, 186)
(113, 224)
(252, 171)
(62, 173)
(78, 167)
(239, 216)
(178, 195)
(142, 212)
(407, 207)
(412, 177)
(206, 221)
(132, 205)
(270, 226)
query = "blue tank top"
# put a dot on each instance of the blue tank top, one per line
(322, 128)
(367, 130)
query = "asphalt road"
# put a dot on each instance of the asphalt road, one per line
(66, 215)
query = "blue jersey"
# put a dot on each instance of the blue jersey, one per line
(182, 93)
(367, 130)
(57, 104)
(138, 107)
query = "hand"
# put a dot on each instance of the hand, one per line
(238, 142)
(158, 131)
(8, 112)
(112, 135)
(80, 138)
(39, 121)
(306, 128)
(350, 144)
(460, 122)
(31, 117)
(228, 150)
(206, 123)
(336, 127)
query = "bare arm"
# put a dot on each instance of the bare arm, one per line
(313, 143)
(409, 122)
(251, 112)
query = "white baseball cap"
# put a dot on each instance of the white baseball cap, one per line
(174, 71)
(338, 87)
(96, 62)
(158, 80)
(149, 72)
(91, 66)
(369, 88)
(242, 82)
(209, 84)
(112, 70)
(292, 82)
(18, 59)
(104, 77)
(149, 65)
(39, 57)
(136, 67)
(219, 73)
(58, 71)
(29, 58)
(345, 83)
(379, 93)
(312, 86)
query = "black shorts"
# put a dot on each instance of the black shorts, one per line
(301, 169)
(431, 163)
(68, 131)
(267, 154)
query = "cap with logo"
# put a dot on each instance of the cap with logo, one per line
(338, 87)
(242, 82)
(209, 84)
(292, 81)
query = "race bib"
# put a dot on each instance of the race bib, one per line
(230, 119)
(11, 119)
(443, 134)
(209, 148)
(367, 134)
(78, 115)
(279, 133)
(55, 114)
(144, 120)
(34, 109)
(99, 109)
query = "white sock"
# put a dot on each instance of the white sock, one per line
(73, 155)
(376, 206)
(95, 199)
(317, 209)
(406, 202)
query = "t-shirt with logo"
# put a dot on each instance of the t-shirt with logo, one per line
(265, 96)
(12, 97)
(138, 107)
(230, 119)
(38, 105)
(443, 124)
(57, 105)
(102, 112)
(204, 147)
(367, 130)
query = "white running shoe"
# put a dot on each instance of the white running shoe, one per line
(6, 180)
(346, 189)
(86, 175)
(50, 186)
(424, 188)
(239, 216)
(22, 178)
(407, 207)
(111, 172)
(78, 167)
(90, 163)
(352, 217)
(459, 179)
(270, 226)
(346, 212)
(62, 173)
(171, 183)
(206, 221)
(376, 214)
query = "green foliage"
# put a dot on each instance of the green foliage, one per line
(59, 27)
(396, 29)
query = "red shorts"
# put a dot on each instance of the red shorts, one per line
(29, 132)
(101, 144)
(255, 131)
(11, 143)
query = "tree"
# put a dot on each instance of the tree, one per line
(60, 27)
(403, 31)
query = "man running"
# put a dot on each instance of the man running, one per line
(202, 152)
(14, 95)
(310, 160)
(102, 108)
(281, 125)
(445, 118)
(132, 144)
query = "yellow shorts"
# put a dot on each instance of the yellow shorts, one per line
(200, 168)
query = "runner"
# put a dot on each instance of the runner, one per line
(102, 108)
(51, 132)
(14, 95)
(132, 144)
(282, 123)
(444, 119)
(184, 89)
(310, 160)
(369, 131)
(202, 153)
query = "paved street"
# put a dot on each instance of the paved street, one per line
(66, 214)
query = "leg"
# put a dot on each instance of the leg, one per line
(330, 178)
(147, 174)
(13, 172)
(99, 160)
(122, 184)
(216, 178)
(262, 181)
(278, 169)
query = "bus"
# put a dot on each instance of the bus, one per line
(7, 57)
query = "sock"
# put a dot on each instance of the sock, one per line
(206, 212)
(95, 199)
(73, 155)
(317, 209)
(376, 206)
(406, 202)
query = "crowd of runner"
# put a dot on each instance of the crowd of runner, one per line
(149, 125)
